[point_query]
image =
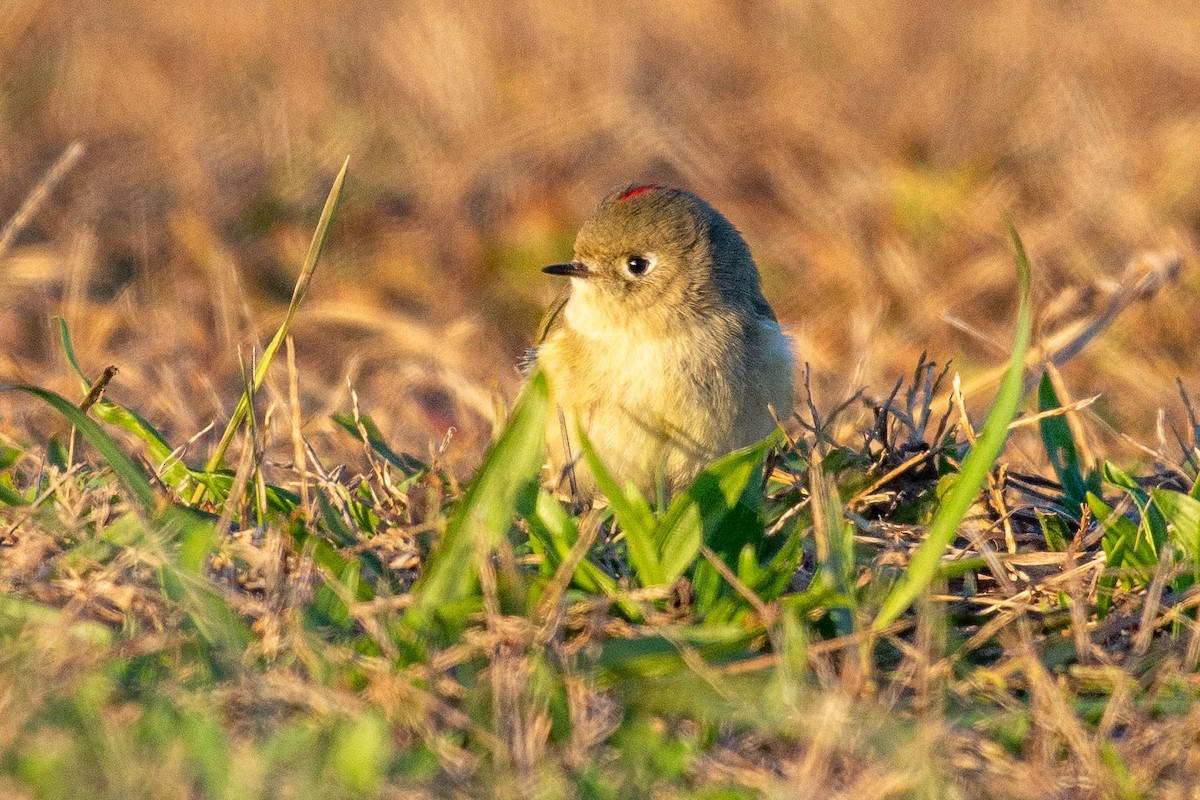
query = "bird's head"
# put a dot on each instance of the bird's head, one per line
(651, 254)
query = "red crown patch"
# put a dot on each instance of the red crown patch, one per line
(636, 190)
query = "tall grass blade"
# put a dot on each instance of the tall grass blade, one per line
(975, 467)
(301, 289)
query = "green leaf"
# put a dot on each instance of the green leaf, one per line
(958, 567)
(127, 472)
(208, 748)
(922, 568)
(725, 499)
(1183, 512)
(660, 654)
(336, 526)
(8, 456)
(1054, 530)
(777, 575)
(11, 497)
(195, 535)
(1122, 479)
(14, 609)
(173, 471)
(555, 530)
(217, 623)
(633, 514)
(336, 568)
(1120, 534)
(486, 511)
(69, 349)
(792, 636)
(1148, 547)
(680, 535)
(1060, 447)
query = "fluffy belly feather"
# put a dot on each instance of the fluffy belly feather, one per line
(660, 408)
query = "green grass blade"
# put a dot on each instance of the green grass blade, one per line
(835, 547)
(11, 497)
(633, 514)
(208, 611)
(486, 511)
(129, 473)
(359, 755)
(172, 470)
(301, 289)
(406, 463)
(1120, 535)
(1054, 530)
(1147, 547)
(69, 350)
(175, 473)
(975, 467)
(1060, 447)
(208, 749)
(681, 533)
(194, 535)
(1183, 512)
(555, 530)
(16, 610)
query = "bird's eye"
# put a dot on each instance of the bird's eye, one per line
(638, 265)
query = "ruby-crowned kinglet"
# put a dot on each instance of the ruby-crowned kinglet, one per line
(664, 349)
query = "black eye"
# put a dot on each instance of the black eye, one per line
(637, 265)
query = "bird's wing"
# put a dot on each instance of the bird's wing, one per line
(763, 310)
(550, 323)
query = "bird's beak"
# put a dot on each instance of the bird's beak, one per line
(573, 269)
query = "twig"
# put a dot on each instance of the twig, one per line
(97, 391)
(34, 201)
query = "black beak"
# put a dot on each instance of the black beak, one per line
(574, 269)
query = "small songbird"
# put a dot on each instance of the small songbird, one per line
(664, 350)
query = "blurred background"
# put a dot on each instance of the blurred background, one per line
(871, 152)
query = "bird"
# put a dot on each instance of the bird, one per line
(663, 349)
